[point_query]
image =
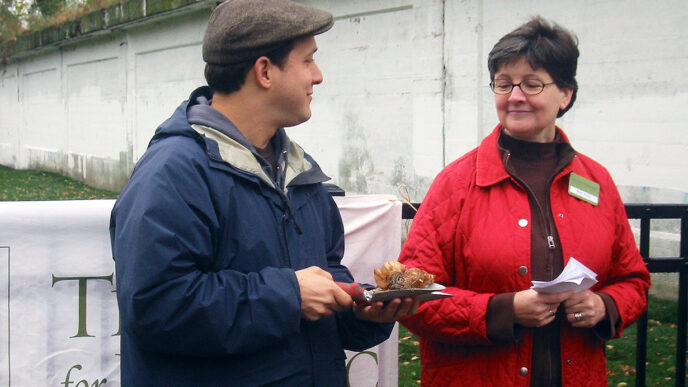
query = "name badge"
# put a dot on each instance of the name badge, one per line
(584, 189)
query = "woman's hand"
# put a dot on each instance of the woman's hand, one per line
(533, 309)
(585, 309)
(387, 313)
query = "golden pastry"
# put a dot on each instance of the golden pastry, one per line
(394, 275)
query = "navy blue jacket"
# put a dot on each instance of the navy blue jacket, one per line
(206, 243)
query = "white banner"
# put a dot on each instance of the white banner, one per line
(59, 324)
(372, 227)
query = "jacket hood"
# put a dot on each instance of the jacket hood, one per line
(195, 109)
(176, 125)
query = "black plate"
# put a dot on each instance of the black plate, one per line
(430, 292)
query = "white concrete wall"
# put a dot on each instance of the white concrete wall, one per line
(405, 92)
(88, 109)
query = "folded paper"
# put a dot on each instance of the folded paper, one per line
(575, 276)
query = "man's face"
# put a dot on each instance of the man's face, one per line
(294, 84)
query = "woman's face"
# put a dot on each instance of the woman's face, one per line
(529, 117)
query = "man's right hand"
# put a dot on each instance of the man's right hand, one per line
(320, 295)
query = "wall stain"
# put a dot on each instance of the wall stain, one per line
(356, 164)
(402, 176)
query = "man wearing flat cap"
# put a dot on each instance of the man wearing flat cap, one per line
(226, 244)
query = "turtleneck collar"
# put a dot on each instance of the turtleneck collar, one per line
(528, 150)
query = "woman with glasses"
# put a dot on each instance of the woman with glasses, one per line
(517, 209)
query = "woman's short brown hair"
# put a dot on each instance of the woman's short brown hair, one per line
(543, 45)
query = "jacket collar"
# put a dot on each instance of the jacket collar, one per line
(299, 169)
(490, 168)
(236, 150)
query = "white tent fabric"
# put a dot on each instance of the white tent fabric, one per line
(372, 226)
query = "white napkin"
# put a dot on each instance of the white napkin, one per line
(575, 276)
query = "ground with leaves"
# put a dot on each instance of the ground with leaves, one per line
(38, 185)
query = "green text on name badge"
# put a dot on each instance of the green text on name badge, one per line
(584, 189)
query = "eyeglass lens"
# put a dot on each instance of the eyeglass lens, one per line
(530, 86)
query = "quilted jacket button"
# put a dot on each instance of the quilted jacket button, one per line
(522, 270)
(524, 371)
(523, 222)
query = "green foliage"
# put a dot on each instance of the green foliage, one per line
(50, 7)
(661, 351)
(12, 13)
(38, 185)
(21, 16)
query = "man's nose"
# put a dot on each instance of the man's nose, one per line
(317, 75)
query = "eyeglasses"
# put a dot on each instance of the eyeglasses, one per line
(528, 87)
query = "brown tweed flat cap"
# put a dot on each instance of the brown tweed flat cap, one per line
(242, 30)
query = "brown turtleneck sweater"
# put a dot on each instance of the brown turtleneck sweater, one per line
(534, 166)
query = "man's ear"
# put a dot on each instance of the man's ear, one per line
(263, 72)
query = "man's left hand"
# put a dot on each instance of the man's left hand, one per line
(389, 312)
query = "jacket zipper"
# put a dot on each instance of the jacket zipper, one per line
(281, 176)
(549, 235)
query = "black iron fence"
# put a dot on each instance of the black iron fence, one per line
(646, 213)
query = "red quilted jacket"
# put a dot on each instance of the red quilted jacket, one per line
(470, 233)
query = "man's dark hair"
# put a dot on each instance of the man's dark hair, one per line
(230, 78)
(543, 45)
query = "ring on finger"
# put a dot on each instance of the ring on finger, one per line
(551, 312)
(578, 316)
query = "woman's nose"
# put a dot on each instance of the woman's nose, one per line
(517, 94)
